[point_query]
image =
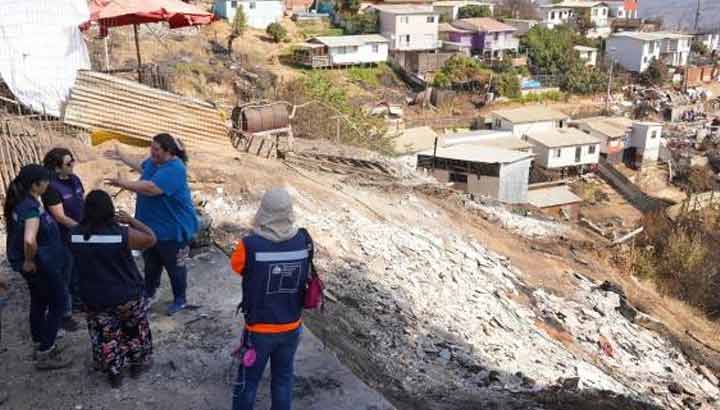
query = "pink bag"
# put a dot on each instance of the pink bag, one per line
(314, 290)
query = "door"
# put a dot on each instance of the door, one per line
(578, 153)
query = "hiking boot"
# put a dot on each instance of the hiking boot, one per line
(70, 325)
(115, 380)
(52, 359)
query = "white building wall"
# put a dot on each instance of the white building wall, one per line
(368, 53)
(514, 180)
(599, 15)
(646, 138)
(259, 14)
(617, 10)
(556, 16)
(565, 156)
(633, 54)
(410, 32)
(590, 57)
(504, 41)
(527, 129)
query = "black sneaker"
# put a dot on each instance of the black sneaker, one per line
(69, 324)
(115, 380)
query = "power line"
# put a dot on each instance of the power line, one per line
(697, 15)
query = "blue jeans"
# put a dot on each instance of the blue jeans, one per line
(73, 283)
(280, 349)
(48, 296)
(170, 255)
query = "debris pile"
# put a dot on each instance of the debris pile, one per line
(438, 312)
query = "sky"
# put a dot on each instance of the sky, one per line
(682, 12)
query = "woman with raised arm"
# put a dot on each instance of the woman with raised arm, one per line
(163, 203)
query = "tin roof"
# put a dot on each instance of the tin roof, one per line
(532, 113)
(552, 196)
(405, 9)
(613, 127)
(562, 137)
(574, 4)
(486, 24)
(479, 153)
(345, 41)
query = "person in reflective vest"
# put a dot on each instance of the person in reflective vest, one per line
(36, 251)
(65, 200)
(274, 262)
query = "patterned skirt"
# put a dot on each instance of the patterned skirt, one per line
(120, 335)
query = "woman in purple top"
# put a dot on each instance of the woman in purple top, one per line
(65, 200)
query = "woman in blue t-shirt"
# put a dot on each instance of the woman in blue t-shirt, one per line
(35, 250)
(164, 204)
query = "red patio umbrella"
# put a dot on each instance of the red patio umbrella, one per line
(115, 13)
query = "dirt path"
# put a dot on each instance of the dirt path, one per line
(192, 366)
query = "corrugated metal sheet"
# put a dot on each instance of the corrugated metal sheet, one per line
(104, 102)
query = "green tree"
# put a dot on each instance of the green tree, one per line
(584, 80)
(474, 10)
(277, 32)
(239, 25)
(700, 48)
(550, 51)
(508, 85)
(363, 23)
(655, 74)
(461, 69)
(349, 6)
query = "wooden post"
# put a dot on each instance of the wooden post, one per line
(107, 53)
(434, 154)
(137, 50)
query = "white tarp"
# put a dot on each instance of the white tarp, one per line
(41, 49)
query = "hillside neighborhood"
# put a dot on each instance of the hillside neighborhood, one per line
(513, 204)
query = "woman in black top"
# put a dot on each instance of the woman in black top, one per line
(111, 286)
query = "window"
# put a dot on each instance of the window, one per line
(375, 48)
(557, 153)
(595, 12)
(233, 4)
(653, 134)
(552, 15)
(431, 19)
(404, 19)
(496, 36)
(458, 178)
(591, 149)
(498, 123)
(406, 37)
(252, 5)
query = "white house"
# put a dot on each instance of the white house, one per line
(711, 40)
(450, 8)
(623, 139)
(522, 121)
(409, 27)
(336, 51)
(645, 140)
(622, 9)
(587, 54)
(635, 50)
(567, 11)
(564, 148)
(258, 13)
(675, 48)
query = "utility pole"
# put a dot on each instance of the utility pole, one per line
(609, 88)
(697, 15)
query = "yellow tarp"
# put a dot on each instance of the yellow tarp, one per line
(99, 136)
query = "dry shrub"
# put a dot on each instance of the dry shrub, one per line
(681, 257)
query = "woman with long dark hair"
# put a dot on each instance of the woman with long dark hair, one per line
(35, 250)
(65, 200)
(111, 286)
(164, 203)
